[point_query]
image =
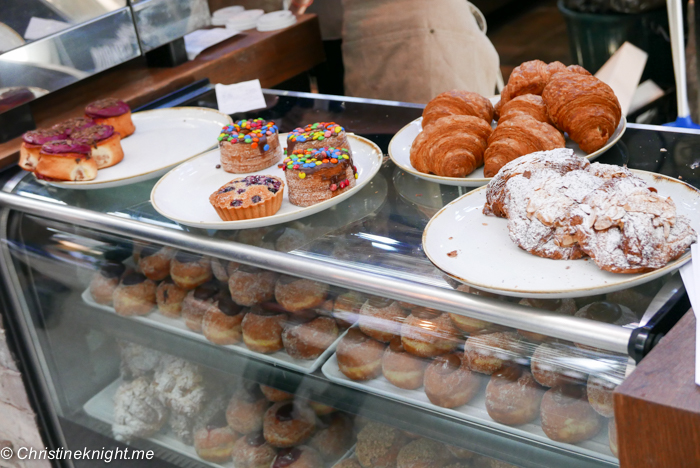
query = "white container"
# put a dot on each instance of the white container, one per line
(220, 17)
(245, 20)
(276, 20)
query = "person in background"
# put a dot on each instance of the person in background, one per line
(412, 50)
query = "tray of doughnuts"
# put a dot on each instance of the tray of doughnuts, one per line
(290, 322)
(516, 381)
(218, 419)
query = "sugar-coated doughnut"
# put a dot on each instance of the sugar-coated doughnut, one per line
(250, 285)
(449, 383)
(334, 436)
(297, 294)
(513, 397)
(551, 365)
(169, 297)
(600, 395)
(135, 295)
(154, 261)
(402, 369)
(253, 451)
(221, 269)
(309, 340)
(246, 409)
(427, 333)
(378, 445)
(346, 308)
(214, 442)
(302, 456)
(288, 423)
(262, 330)
(275, 395)
(321, 409)
(560, 306)
(189, 270)
(359, 356)
(461, 453)
(381, 319)
(608, 312)
(198, 302)
(105, 281)
(222, 324)
(490, 352)
(422, 453)
(567, 416)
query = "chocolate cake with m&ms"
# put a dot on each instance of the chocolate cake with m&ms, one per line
(316, 175)
(249, 146)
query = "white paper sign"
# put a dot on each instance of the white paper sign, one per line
(240, 97)
(197, 41)
(40, 27)
(690, 272)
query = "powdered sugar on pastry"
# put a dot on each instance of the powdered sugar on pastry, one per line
(137, 410)
(561, 207)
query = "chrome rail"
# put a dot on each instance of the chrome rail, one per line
(601, 335)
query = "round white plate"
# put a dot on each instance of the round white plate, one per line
(163, 139)
(400, 153)
(483, 256)
(182, 195)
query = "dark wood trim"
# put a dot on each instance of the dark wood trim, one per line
(657, 408)
(272, 57)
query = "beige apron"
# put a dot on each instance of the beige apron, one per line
(412, 50)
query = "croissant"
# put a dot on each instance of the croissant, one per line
(453, 146)
(531, 78)
(584, 107)
(527, 104)
(518, 136)
(457, 102)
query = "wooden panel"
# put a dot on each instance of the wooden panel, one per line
(273, 57)
(658, 407)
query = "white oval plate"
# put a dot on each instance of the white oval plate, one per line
(182, 195)
(487, 259)
(400, 153)
(163, 139)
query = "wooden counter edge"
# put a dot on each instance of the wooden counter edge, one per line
(657, 408)
(272, 57)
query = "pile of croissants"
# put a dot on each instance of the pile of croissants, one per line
(539, 102)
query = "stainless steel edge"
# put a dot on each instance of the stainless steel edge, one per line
(605, 336)
(663, 128)
(18, 303)
(333, 97)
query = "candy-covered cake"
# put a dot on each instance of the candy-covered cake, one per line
(66, 160)
(114, 112)
(249, 146)
(32, 142)
(315, 175)
(249, 197)
(75, 124)
(316, 136)
(104, 142)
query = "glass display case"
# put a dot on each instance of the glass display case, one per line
(330, 339)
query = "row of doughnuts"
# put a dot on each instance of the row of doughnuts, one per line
(256, 426)
(414, 348)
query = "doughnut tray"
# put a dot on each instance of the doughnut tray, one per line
(178, 327)
(474, 411)
(101, 407)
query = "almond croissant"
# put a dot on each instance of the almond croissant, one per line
(531, 78)
(527, 104)
(518, 136)
(584, 107)
(457, 102)
(453, 146)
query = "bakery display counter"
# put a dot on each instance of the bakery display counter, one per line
(330, 339)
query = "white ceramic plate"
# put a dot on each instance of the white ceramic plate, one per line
(183, 194)
(400, 153)
(474, 411)
(178, 327)
(163, 139)
(487, 259)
